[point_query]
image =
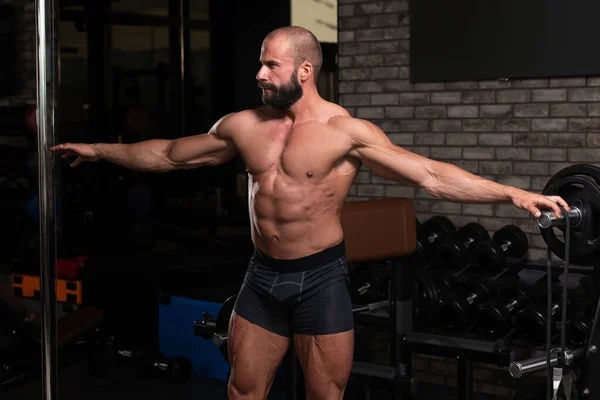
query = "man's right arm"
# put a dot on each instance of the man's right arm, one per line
(158, 155)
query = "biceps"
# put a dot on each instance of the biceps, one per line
(393, 163)
(200, 150)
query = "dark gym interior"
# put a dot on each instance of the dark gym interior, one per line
(146, 266)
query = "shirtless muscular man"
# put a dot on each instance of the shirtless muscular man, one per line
(302, 154)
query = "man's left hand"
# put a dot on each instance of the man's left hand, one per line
(532, 203)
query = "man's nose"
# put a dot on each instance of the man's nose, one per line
(262, 74)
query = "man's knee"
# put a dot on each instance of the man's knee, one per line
(246, 389)
(326, 389)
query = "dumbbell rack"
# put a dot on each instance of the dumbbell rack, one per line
(589, 384)
(404, 341)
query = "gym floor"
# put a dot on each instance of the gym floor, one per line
(123, 384)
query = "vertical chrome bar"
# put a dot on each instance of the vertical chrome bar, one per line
(182, 26)
(47, 79)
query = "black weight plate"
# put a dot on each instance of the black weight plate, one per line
(579, 185)
(444, 282)
(530, 324)
(438, 225)
(493, 318)
(426, 295)
(488, 257)
(473, 231)
(222, 324)
(453, 313)
(578, 330)
(517, 238)
(477, 287)
(451, 254)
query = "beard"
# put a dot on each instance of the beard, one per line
(282, 97)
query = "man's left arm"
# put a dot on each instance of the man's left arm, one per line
(374, 149)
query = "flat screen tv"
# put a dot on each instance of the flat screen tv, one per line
(495, 39)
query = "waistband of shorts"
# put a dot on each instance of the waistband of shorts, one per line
(312, 261)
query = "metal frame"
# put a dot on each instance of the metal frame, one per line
(47, 83)
(589, 386)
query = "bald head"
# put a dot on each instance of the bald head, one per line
(303, 44)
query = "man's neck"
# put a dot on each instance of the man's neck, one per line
(306, 107)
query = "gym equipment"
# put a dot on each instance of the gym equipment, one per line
(579, 186)
(531, 321)
(456, 310)
(431, 231)
(430, 286)
(490, 255)
(520, 368)
(175, 369)
(452, 252)
(216, 328)
(20, 355)
(495, 316)
(579, 329)
(368, 285)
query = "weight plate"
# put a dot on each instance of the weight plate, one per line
(493, 318)
(578, 330)
(453, 313)
(222, 324)
(427, 296)
(530, 324)
(579, 186)
(517, 238)
(451, 254)
(434, 229)
(488, 257)
(473, 231)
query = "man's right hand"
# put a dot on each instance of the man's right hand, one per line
(84, 152)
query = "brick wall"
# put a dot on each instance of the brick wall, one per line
(516, 132)
(26, 49)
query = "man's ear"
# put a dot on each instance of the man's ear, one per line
(305, 71)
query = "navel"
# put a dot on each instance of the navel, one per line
(275, 237)
(309, 174)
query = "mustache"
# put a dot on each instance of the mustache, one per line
(266, 86)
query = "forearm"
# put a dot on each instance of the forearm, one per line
(148, 155)
(455, 184)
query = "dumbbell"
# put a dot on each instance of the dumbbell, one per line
(580, 326)
(489, 256)
(174, 369)
(456, 311)
(531, 321)
(216, 329)
(430, 232)
(430, 286)
(495, 317)
(452, 252)
(369, 285)
(579, 329)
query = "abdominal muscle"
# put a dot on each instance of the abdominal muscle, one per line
(291, 219)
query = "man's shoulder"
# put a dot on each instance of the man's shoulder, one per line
(236, 123)
(349, 123)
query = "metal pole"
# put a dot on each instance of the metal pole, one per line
(47, 78)
(178, 63)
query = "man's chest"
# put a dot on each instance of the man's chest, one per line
(308, 151)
